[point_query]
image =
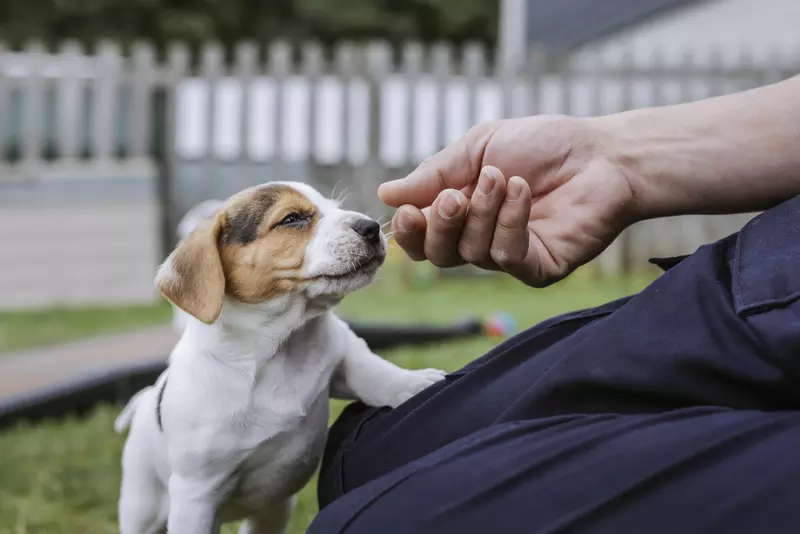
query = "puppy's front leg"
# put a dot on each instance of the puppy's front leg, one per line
(192, 508)
(373, 380)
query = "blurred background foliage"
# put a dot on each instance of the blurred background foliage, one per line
(230, 21)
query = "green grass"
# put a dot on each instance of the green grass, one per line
(26, 329)
(63, 477)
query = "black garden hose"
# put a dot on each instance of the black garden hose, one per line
(80, 396)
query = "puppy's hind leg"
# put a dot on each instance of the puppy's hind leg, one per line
(271, 520)
(143, 500)
(143, 506)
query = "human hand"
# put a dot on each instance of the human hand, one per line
(535, 197)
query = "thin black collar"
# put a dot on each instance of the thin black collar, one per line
(158, 404)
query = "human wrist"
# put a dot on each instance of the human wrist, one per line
(728, 154)
(649, 153)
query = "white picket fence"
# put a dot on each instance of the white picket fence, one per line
(319, 108)
(354, 115)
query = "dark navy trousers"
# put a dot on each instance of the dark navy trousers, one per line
(676, 410)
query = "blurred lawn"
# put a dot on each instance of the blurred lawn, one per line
(63, 477)
(25, 329)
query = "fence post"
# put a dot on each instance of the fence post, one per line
(536, 69)
(212, 67)
(246, 67)
(70, 103)
(474, 67)
(659, 77)
(71, 134)
(280, 68)
(143, 72)
(162, 121)
(774, 67)
(104, 102)
(413, 58)
(687, 69)
(597, 84)
(163, 133)
(442, 67)
(378, 66)
(566, 76)
(4, 107)
(506, 73)
(32, 107)
(345, 66)
(716, 73)
(749, 77)
(313, 67)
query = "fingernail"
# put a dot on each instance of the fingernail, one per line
(515, 188)
(449, 205)
(486, 181)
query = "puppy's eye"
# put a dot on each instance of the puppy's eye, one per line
(294, 219)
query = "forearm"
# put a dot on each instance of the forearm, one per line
(730, 154)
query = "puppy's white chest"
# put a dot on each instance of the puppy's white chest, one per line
(280, 433)
(280, 465)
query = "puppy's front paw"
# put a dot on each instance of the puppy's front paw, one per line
(412, 382)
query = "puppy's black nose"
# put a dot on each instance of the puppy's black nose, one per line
(367, 228)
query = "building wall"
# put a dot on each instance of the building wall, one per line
(87, 240)
(758, 28)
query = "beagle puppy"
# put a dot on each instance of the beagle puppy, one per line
(237, 423)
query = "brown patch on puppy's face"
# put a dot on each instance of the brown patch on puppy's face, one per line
(263, 245)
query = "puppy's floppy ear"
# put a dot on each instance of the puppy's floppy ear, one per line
(192, 277)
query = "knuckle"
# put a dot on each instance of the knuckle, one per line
(509, 224)
(439, 257)
(481, 209)
(472, 253)
(415, 255)
(437, 262)
(447, 227)
(480, 129)
(444, 263)
(503, 257)
(409, 243)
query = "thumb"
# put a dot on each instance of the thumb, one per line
(455, 167)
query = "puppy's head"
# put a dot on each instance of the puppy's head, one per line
(267, 242)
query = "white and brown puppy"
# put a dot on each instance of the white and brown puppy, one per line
(237, 423)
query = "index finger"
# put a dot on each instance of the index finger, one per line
(455, 167)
